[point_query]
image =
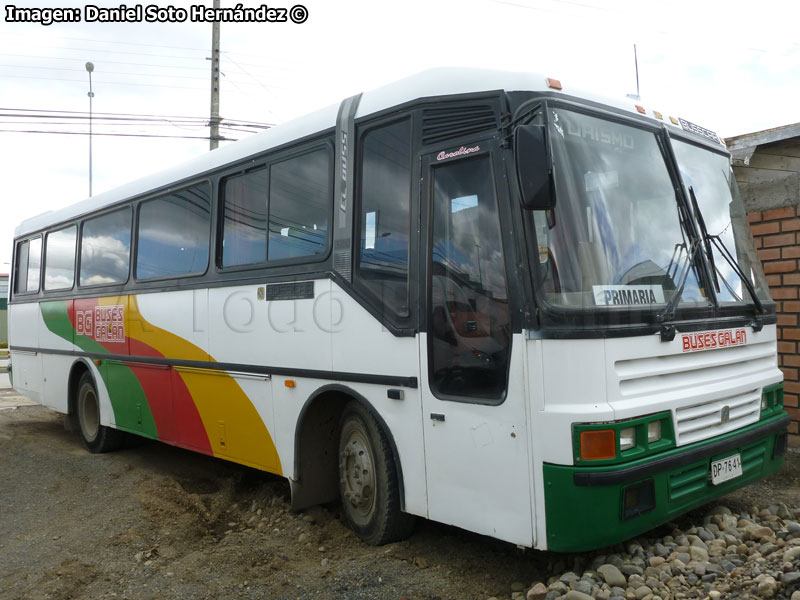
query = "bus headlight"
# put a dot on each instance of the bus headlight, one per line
(627, 438)
(653, 431)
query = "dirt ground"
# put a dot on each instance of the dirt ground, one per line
(159, 522)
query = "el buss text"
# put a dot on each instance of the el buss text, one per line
(153, 13)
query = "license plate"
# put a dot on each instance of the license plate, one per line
(725, 469)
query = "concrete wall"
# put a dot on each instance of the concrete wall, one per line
(770, 186)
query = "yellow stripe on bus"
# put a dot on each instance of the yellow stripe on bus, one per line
(236, 430)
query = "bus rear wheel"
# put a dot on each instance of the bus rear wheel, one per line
(96, 437)
(368, 480)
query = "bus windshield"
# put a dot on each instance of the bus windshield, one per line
(614, 237)
(711, 178)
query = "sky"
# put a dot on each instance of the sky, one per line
(730, 66)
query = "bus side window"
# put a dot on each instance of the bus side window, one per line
(384, 214)
(244, 229)
(300, 200)
(106, 248)
(28, 266)
(173, 234)
(21, 270)
(59, 272)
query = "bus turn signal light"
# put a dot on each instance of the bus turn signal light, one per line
(596, 445)
(289, 383)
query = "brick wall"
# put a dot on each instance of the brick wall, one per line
(776, 233)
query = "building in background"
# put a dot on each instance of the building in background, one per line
(3, 308)
(767, 168)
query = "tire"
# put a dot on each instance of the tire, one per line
(368, 482)
(96, 437)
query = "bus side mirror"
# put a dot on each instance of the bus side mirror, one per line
(533, 170)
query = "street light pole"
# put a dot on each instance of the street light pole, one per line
(90, 68)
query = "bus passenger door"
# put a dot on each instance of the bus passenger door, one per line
(472, 381)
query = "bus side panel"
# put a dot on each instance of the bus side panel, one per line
(362, 345)
(172, 325)
(246, 329)
(297, 334)
(23, 331)
(56, 333)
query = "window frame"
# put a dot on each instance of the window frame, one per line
(137, 206)
(266, 163)
(221, 221)
(13, 287)
(502, 201)
(129, 206)
(387, 314)
(74, 260)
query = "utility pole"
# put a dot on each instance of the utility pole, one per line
(214, 121)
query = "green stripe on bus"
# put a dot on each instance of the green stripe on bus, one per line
(128, 401)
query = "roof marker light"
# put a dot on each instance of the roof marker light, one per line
(553, 83)
(658, 115)
(641, 109)
(674, 121)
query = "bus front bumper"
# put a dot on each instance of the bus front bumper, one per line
(589, 508)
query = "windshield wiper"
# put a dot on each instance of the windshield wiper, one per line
(668, 331)
(708, 240)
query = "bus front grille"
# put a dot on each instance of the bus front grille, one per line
(701, 385)
(714, 417)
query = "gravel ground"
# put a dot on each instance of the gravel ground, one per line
(158, 522)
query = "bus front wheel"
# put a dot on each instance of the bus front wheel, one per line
(96, 437)
(368, 479)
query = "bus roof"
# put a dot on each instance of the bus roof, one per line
(433, 82)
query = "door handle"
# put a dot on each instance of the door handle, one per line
(437, 417)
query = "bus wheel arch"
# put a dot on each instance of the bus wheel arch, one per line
(316, 467)
(79, 367)
(84, 412)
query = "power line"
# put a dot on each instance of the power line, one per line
(80, 112)
(112, 62)
(103, 73)
(260, 65)
(104, 82)
(144, 135)
(174, 87)
(256, 80)
(121, 52)
(77, 39)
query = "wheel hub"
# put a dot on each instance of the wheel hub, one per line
(89, 414)
(358, 474)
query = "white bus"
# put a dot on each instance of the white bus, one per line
(469, 296)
